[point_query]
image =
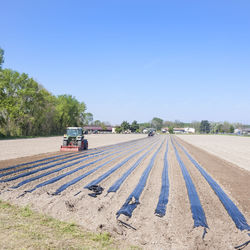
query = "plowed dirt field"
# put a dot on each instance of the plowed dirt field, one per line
(127, 179)
(235, 149)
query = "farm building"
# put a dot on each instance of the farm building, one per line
(184, 130)
(242, 131)
(180, 130)
(91, 129)
(190, 130)
(164, 130)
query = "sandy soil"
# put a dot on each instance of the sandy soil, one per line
(174, 230)
(10, 149)
(235, 149)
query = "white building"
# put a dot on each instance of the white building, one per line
(189, 130)
(242, 131)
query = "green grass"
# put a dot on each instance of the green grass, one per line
(26, 212)
(22, 228)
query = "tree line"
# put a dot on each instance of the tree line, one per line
(125, 126)
(28, 109)
(156, 123)
(203, 127)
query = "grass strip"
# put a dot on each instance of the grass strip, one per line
(21, 228)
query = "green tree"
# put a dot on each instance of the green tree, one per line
(226, 127)
(1, 57)
(170, 130)
(220, 128)
(178, 124)
(168, 124)
(103, 126)
(68, 112)
(134, 126)
(118, 130)
(195, 125)
(157, 123)
(86, 119)
(97, 123)
(27, 108)
(125, 126)
(231, 129)
(144, 125)
(10, 100)
(204, 127)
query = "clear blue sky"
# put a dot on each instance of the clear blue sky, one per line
(136, 59)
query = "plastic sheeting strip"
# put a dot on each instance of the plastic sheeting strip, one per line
(45, 163)
(53, 171)
(133, 199)
(96, 154)
(45, 168)
(33, 162)
(231, 208)
(163, 198)
(63, 157)
(67, 166)
(77, 179)
(57, 178)
(105, 175)
(37, 165)
(119, 182)
(196, 207)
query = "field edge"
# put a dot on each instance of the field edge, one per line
(28, 229)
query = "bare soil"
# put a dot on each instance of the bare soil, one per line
(173, 231)
(235, 149)
(16, 148)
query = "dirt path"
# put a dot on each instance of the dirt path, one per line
(174, 230)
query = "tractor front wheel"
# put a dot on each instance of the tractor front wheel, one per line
(79, 143)
(86, 145)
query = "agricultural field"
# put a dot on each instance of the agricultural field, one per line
(16, 148)
(155, 192)
(235, 149)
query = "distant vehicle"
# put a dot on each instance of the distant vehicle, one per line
(74, 140)
(95, 132)
(151, 133)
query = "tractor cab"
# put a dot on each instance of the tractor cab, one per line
(74, 132)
